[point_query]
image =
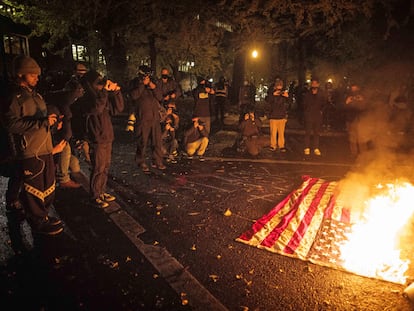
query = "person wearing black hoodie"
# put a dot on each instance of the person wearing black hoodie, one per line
(102, 99)
(146, 100)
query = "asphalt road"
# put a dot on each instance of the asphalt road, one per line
(169, 245)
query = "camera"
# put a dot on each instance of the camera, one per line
(144, 72)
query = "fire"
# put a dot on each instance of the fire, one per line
(372, 246)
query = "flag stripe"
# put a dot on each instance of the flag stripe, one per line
(306, 221)
(285, 220)
(265, 220)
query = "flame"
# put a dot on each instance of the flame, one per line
(372, 246)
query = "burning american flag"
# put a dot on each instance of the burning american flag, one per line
(315, 223)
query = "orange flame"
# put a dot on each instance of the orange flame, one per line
(372, 246)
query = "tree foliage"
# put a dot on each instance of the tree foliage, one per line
(171, 32)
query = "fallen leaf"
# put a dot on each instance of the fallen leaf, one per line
(193, 248)
(128, 259)
(218, 256)
(227, 212)
(193, 214)
(214, 277)
(155, 276)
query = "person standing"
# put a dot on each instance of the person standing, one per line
(355, 107)
(278, 101)
(147, 111)
(169, 90)
(27, 121)
(202, 102)
(77, 120)
(313, 104)
(102, 99)
(62, 101)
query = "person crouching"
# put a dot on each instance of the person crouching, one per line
(196, 139)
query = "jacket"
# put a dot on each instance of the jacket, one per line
(146, 102)
(201, 102)
(193, 134)
(278, 106)
(26, 118)
(313, 104)
(97, 109)
(249, 128)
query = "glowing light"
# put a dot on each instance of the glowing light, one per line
(373, 247)
(255, 53)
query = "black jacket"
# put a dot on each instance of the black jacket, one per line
(97, 109)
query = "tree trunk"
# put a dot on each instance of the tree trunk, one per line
(153, 53)
(238, 75)
(117, 62)
(301, 62)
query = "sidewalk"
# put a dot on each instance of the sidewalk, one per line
(91, 266)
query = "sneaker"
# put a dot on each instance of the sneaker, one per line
(272, 149)
(306, 151)
(201, 158)
(53, 220)
(45, 226)
(174, 153)
(283, 149)
(69, 184)
(98, 202)
(317, 152)
(161, 166)
(189, 157)
(107, 197)
(145, 168)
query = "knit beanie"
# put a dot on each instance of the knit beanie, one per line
(23, 64)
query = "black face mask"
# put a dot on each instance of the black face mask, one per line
(164, 76)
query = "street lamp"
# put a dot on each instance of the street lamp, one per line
(255, 54)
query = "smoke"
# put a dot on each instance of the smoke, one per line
(386, 152)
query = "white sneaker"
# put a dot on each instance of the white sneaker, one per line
(306, 151)
(317, 152)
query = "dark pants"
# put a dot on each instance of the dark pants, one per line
(100, 162)
(38, 191)
(312, 128)
(14, 184)
(146, 131)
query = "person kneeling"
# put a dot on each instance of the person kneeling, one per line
(249, 128)
(196, 140)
